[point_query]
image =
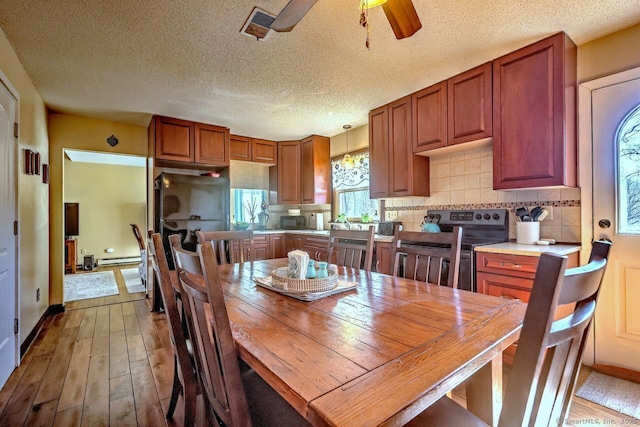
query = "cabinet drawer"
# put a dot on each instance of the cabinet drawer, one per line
(512, 265)
(504, 286)
(260, 240)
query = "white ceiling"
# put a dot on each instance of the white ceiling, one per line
(125, 60)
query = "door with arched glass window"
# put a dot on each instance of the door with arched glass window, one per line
(616, 216)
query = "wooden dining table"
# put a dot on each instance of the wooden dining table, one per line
(376, 355)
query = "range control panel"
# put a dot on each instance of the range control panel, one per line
(476, 216)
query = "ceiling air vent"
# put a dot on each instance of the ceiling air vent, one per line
(258, 24)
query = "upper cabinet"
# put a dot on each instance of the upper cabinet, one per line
(453, 111)
(534, 114)
(316, 170)
(253, 150)
(289, 171)
(393, 168)
(189, 142)
(303, 173)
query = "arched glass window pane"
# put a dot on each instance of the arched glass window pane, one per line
(628, 143)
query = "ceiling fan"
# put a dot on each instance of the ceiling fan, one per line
(401, 14)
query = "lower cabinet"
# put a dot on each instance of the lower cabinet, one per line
(383, 262)
(262, 245)
(316, 247)
(511, 276)
(278, 245)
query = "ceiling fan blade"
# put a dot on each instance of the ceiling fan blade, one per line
(402, 17)
(292, 13)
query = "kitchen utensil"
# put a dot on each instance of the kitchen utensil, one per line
(542, 215)
(523, 212)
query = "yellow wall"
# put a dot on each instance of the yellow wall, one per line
(32, 193)
(110, 197)
(610, 54)
(68, 131)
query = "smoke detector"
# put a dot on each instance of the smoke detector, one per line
(258, 24)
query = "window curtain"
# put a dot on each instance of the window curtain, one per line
(357, 177)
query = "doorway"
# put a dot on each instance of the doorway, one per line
(612, 105)
(9, 356)
(110, 192)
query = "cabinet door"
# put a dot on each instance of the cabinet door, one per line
(278, 246)
(263, 151)
(470, 105)
(400, 144)
(211, 145)
(384, 263)
(293, 242)
(240, 148)
(289, 172)
(429, 117)
(174, 139)
(379, 153)
(316, 170)
(534, 114)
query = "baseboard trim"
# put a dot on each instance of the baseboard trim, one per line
(618, 372)
(53, 309)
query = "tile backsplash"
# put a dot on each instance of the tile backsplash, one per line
(464, 180)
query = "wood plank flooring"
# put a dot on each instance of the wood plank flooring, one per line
(108, 361)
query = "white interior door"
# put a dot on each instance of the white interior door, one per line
(8, 290)
(616, 216)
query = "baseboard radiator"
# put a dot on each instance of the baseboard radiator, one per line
(122, 260)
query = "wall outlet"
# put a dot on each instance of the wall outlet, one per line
(391, 215)
(83, 251)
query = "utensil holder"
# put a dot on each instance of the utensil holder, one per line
(527, 232)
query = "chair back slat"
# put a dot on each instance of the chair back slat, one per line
(173, 312)
(138, 235)
(230, 246)
(422, 256)
(216, 349)
(549, 353)
(351, 248)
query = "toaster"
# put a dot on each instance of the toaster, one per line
(386, 228)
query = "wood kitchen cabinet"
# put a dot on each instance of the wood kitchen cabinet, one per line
(453, 111)
(316, 246)
(510, 276)
(189, 142)
(278, 246)
(384, 261)
(303, 173)
(293, 242)
(393, 168)
(534, 115)
(289, 171)
(316, 170)
(253, 149)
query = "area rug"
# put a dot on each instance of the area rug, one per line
(614, 393)
(89, 285)
(132, 280)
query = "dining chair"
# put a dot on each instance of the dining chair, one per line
(236, 398)
(548, 359)
(142, 267)
(351, 248)
(428, 257)
(184, 375)
(230, 246)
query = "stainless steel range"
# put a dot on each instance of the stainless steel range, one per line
(479, 227)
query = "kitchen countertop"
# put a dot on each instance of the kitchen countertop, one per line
(377, 237)
(513, 248)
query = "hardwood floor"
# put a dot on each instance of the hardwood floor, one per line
(108, 361)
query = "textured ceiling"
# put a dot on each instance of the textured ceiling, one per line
(125, 60)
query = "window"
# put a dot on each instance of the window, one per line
(628, 143)
(351, 189)
(247, 204)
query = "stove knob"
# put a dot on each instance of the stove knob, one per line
(478, 216)
(496, 216)
(487, 216)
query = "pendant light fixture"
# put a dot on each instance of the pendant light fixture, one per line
(347, 160)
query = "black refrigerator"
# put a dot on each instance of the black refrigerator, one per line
(185, 204)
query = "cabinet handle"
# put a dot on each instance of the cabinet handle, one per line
(510, 264)
(510, 297)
